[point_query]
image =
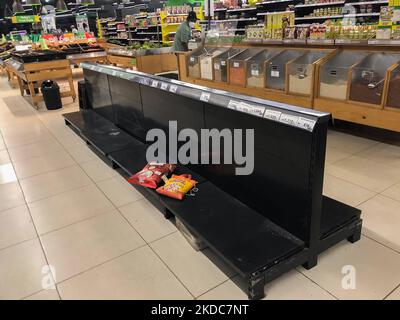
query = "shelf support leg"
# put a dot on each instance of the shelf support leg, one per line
(355, 236)
(256, 287)
(311, 263)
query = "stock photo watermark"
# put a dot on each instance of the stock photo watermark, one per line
(196, 150)
(48, 277)
(349, 278)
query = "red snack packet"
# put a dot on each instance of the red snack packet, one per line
(177, 186)
(152, 174)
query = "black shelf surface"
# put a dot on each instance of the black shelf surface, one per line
(100, 132)
(335, 215)
(245, 239)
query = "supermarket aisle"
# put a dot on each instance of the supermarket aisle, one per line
(62, 206)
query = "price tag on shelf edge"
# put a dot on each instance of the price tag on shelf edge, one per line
(305, 123)
(272, 114)
(257, 110)
(164, 86)
(154, 83)
(205, 96)
(289, 119)
(255, 73)
(233, 104)
(275, 74)
(173, 88)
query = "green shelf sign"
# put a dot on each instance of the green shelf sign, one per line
(25, 19)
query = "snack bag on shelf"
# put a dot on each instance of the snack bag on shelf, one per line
(152, 174)
(177, 186)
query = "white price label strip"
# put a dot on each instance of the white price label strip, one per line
(205, 96)
(272, 114)
(233, 104)
(257, 111)
(173, 88)
(154, 83)
(164, 86)
(305, 123)
(289, 119)
(275, 74)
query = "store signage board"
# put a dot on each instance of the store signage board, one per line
(25, 19)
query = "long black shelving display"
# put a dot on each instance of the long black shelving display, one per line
(277, 220)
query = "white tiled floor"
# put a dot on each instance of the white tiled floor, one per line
(60, 205)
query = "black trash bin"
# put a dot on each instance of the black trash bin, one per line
(51, 95)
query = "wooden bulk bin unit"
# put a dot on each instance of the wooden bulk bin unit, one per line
(149, 61)
(385, 115)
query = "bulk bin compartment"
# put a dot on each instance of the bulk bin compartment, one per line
(368, 77)
(276, 68)
(393, 98)
(334, 74)
(206, 63)
(237, 67)
(302, 72)
(220, 64)
(256, 67)
(194, 61)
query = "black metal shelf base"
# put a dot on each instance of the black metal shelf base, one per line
(258, 249)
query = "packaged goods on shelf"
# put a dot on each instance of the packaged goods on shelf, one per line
(256, 67)
(177, 186)
(368, 77)
(301, 73)
(152, 175)
(276, 22)
(237, 66)
(255, 33)
(276, 68)
(334, 74)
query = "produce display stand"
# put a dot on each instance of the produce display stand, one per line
(262, 224)
(152, 61)
(30, 76)
(376, 116)
(11, 66)
(77, 59)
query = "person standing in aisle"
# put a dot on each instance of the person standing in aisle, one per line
(183, 34)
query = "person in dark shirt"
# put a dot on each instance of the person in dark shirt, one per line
(183, 34)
